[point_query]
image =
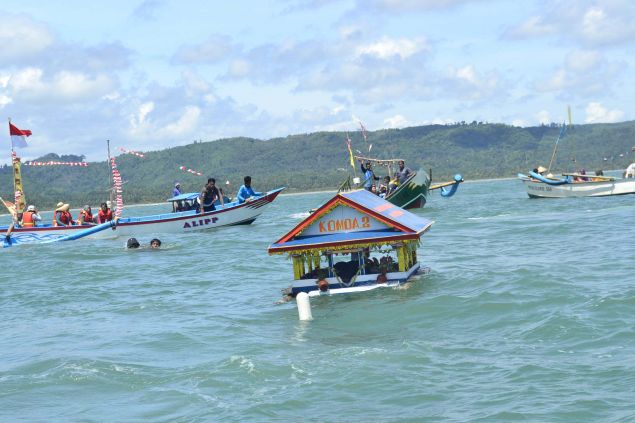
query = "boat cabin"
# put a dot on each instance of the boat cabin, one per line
(356, 241)
(189, 201)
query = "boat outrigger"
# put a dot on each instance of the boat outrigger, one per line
(332, 249)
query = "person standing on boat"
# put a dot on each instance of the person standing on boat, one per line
(630, 171)
(177, 206)
(209, 195)
(246, 193)
(369, 175)
(30, 217)
(104, 215)
(403, 173)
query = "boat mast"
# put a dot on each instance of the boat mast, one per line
(555, 147)
(111, 188)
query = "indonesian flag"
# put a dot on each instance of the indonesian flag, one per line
(18, 136)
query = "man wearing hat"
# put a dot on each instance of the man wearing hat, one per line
(177, 205)
(30, 217)
(62, 215)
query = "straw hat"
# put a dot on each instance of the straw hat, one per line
(541, 169)
(62, 207)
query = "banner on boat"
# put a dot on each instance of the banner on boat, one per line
(343, 219)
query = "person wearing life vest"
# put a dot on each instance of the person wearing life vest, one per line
(104, 215)
(85, 216)
(62, 215)
(30, 217)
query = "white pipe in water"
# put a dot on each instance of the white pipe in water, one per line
(304, 306)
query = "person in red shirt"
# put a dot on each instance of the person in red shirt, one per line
(104, 215)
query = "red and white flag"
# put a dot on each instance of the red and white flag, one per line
(18, 136)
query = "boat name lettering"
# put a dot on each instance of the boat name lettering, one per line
(200, 222)
(334, 225)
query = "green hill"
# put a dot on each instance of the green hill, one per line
(311, 161)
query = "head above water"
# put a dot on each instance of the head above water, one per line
(155, 243)
(132, 243)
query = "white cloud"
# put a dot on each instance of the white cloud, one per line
(596, 113)
(185, 125)
(532, 27)
(520, 123)
(414, 5)
(388, 48)
(4, 100)
(582, 60)
(29, 83)
(22, 38)
(543, 117)
(466, 83)
(397, 121)
(214, 49)
(239, 68)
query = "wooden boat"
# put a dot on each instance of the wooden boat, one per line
(355, 242)
(575, 185)
(233, 213)
(10, 240)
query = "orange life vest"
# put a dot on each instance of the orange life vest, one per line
(88, 218)
(65, 218)
(27, 219)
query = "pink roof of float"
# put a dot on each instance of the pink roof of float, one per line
(352, 219)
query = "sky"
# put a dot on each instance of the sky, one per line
(153, 74)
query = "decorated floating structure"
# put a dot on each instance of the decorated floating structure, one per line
(355, 242)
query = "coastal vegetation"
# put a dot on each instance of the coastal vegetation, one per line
(320, 160)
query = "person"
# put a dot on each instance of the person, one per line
(369, 175)
(30, 217)
(383, 186)
(208, 196)
(155, 243)
(246, 193)
(382, 277)
(630, 171)
(177, 205)
(132, 243)
(85, 216)
(403, 173)
(62, 215)
(104, 215)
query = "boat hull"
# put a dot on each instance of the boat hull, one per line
(361, 283)
(413, 193)
(182, 222)
(537, 189)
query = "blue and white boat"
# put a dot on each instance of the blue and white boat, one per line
(355, 242)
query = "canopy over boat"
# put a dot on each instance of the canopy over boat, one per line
(355, 219)
(184, 197)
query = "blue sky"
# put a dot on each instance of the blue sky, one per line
(156, 73)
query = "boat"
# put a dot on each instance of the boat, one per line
(233, 213)
(575, 185)
(541, 183)
(11, 240)
(413, 192)
(354, 242)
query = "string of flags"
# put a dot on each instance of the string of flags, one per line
(53, 163)
(192, 171)
(134, 153)
(117, 183)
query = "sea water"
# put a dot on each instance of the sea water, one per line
(528, 314)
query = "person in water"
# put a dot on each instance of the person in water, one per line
(85, 216)
(246, 193)
(209, 195)
(132, 243)
(155, 243)
(105, 214)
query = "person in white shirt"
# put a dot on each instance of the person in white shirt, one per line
(630, 171)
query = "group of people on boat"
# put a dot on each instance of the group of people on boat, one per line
(212, 195)
(63, 217)
(387, 185)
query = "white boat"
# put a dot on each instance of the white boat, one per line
(567, 186)
(233, 213)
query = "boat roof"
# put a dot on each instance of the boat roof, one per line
(182, 197)
(354, 219)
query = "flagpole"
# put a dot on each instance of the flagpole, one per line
(110, 182)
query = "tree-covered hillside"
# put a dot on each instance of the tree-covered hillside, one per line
(320, 160)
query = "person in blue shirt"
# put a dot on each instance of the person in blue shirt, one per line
(369, 175)
(246, 193)
(177, 206)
